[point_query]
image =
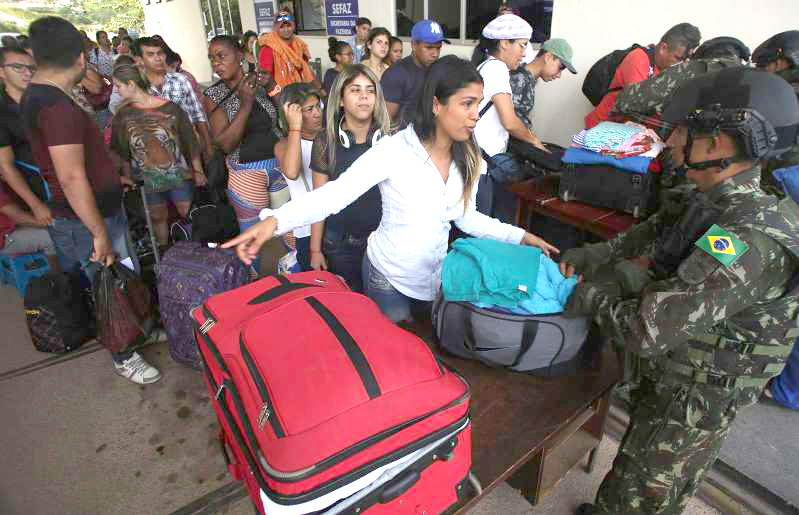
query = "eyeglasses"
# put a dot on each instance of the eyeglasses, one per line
(20, 68)
(287, 18)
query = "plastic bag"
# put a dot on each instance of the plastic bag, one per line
(123, 306)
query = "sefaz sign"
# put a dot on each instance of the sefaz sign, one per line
(341, 17)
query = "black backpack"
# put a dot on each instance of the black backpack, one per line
(597, 82)
(58, 313)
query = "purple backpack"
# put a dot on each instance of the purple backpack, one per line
(189, 273)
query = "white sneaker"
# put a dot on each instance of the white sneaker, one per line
(137, 370)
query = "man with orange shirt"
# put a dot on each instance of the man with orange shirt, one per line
(284, 55)
(640, 64)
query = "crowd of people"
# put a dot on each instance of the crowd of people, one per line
(364, 172)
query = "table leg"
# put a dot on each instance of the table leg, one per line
(522, 207)
(528, 478)
(596, 426)
(589, 467)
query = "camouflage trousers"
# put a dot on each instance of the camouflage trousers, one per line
(675, 434)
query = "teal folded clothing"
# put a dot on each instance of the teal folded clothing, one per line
(579, 156)
(490, 272)
(552, 292)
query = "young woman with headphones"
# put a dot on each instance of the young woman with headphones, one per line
(356, 118)
(427, 174)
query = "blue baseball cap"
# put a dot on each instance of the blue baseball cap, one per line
(428, 31)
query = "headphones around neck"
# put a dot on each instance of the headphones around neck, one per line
(344, 136)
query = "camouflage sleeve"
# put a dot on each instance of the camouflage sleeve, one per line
(647, 97)
(636, 241)
(702, 294)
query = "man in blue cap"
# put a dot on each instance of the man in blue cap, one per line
(402, 83)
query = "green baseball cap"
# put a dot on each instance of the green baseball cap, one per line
(561, 49)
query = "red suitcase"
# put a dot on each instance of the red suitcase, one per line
(318, 393)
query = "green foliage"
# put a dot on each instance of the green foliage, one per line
(85, 14)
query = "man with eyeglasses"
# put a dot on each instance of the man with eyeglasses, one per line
(16, 71)
(640, 64)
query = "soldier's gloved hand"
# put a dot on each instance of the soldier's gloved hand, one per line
(572, 262)
(633, 275)
(588, 297)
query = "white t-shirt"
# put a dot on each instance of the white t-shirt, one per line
(490, 134)
(302, 184)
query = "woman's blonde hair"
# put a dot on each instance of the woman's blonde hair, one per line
(380, 118)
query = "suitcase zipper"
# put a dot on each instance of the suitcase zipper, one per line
(300, 475)
(267, 411)
(207, 325)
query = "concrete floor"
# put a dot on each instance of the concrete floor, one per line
(78, 439)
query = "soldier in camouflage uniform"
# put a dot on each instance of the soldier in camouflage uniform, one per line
(715, 311)
(779, 54)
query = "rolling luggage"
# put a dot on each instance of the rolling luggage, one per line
(326, 406)
(543, 345)
(606, 186)
(187, 274)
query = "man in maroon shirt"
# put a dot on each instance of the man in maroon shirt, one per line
(89, 227)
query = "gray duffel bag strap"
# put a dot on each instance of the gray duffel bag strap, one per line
(528, 337)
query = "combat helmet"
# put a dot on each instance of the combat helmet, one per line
(784, 44)
(722, 47)
(761, 109)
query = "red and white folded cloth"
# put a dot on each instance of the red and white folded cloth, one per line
(620, 140)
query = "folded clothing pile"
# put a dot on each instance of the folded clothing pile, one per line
(620, 140)
(511, 278)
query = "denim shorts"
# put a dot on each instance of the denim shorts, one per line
(180, 194)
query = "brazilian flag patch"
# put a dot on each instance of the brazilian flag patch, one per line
(722, 245)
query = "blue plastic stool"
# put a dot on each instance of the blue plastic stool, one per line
(19, 270)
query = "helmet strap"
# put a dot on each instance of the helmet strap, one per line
(722, 163)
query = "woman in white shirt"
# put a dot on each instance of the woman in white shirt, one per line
(427, 175)
(300, 120)
(501, 49)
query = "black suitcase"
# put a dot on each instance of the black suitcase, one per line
(606, 186)
(535, 162)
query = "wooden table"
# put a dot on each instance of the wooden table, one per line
(540, 195)
(530, 430)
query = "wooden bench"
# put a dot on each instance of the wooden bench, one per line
(540, 195)
(531, 430)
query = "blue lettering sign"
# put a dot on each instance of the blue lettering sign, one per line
(341, 16)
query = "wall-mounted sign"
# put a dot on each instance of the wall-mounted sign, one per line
(341, 15)
(264, 15)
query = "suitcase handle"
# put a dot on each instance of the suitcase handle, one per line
(399, 485)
